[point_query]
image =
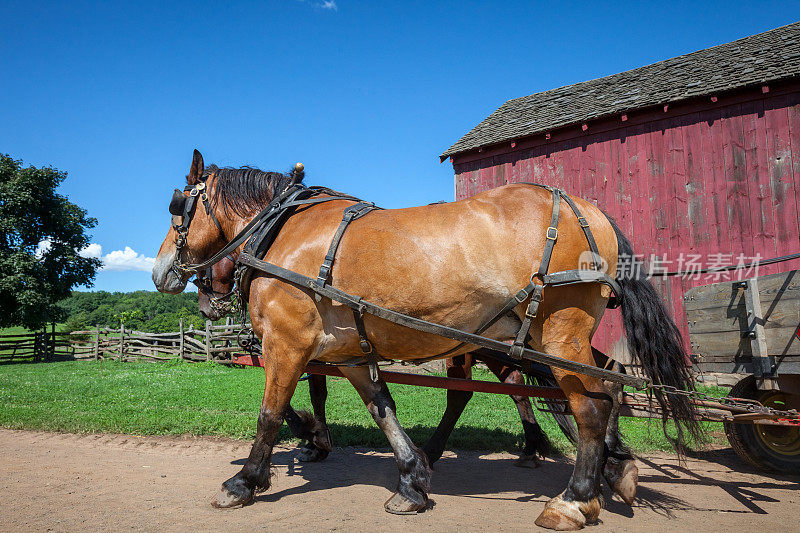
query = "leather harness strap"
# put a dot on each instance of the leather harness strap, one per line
(351, 213)
(355, 302)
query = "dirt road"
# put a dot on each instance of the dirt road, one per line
(64, 482)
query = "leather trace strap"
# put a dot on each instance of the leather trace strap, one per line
(363, 341)
(355, 302)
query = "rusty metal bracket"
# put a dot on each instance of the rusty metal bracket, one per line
(764, 368)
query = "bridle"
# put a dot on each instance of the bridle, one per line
(185, 206)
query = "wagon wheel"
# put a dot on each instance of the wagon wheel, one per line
(767, 447)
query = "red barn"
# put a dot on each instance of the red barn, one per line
(696, 157)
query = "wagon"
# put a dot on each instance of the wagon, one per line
(751, 329)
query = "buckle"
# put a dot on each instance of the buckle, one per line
(582, 222)
(552, 233)
(366, 346)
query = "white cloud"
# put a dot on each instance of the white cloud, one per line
(117, 261)
(127, 259)
(92, 250)
(42, 248)
(322, 4)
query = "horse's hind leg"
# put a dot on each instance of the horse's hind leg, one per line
(620, 470)
(591, 405)
(282, 373)
(415, 474)
(459, 366)
(318, 443)
(537, 445)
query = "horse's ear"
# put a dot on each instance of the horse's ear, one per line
(196, 170)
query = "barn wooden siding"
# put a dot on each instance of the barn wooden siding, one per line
(716, 175)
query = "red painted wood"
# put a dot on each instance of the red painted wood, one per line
(785, 187)
(714, 162)
(682, 244)
(793, 157)
(424, 380)
(588, 170)
(762, 212)
(738, 204)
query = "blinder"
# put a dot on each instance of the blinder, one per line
(178, 203)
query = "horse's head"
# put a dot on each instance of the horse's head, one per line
(195, 233)
(230, 195)
(213, 286)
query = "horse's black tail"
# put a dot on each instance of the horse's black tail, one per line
(655, 343)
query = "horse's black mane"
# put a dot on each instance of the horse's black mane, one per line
(246, 190)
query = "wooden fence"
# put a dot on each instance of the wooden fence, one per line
(35, 347)
(213, 343)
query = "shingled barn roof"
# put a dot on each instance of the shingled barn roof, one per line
(766, 57)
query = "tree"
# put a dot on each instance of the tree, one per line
(41, 236)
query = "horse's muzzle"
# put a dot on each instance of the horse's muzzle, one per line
(166, 278)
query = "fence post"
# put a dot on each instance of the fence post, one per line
(97, 342)
(208, 340)
(228, 329)
(180, 341)
(121, 340)
(51, 347)
(36, 349)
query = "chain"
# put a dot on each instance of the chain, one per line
(752, 406)
(246, 338)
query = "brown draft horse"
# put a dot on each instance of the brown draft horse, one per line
(313, 431)
(453, 264)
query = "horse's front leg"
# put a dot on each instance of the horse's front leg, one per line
(282, 369)
(415, 473)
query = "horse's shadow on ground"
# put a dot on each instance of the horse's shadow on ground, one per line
(471, 474)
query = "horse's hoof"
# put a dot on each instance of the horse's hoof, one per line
(562, 515)
(625, 486)
(323, 440)
(311, 454)
(225, 499)
(399, 504)
(528, 461)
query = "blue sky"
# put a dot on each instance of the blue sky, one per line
(366, 94)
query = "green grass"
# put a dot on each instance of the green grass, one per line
(210, 399)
